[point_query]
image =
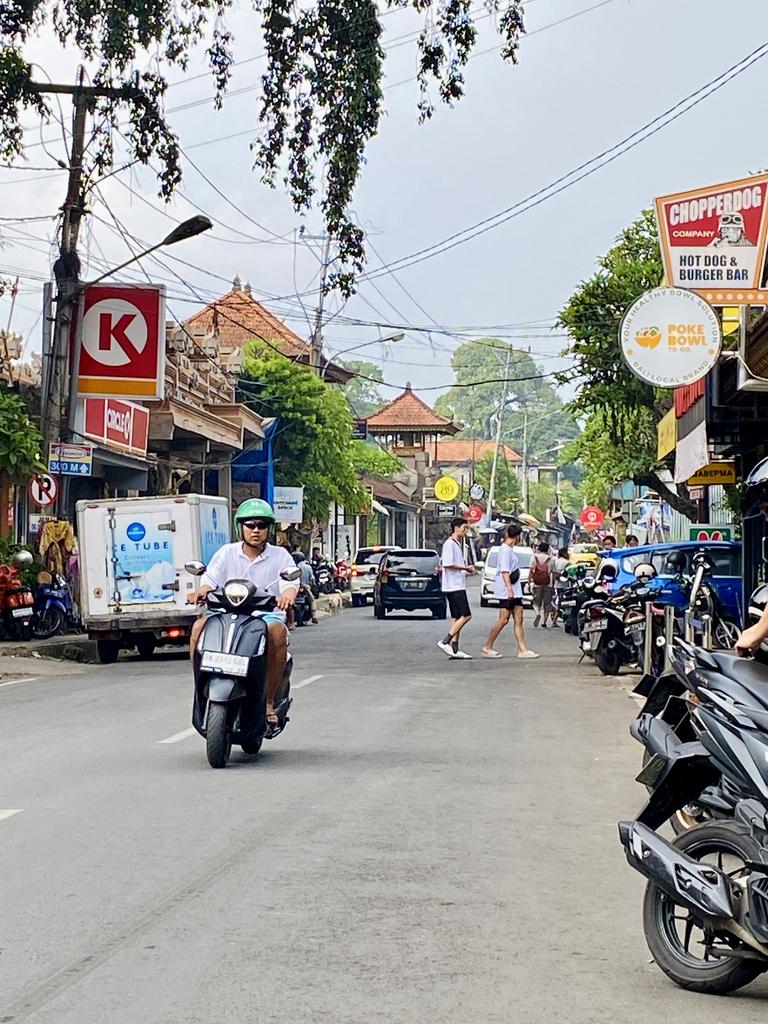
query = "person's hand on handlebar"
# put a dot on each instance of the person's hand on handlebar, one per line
(751, 638)
(198, 596)
(287, 599)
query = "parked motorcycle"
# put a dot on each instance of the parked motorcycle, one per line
(230, 670)
(16, 599)
(706, 905)
(53, 606)
(302, 609)
(617, 624)
(323, 578)
(341, 574)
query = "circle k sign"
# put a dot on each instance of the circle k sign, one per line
(670, 337)
(121, 351)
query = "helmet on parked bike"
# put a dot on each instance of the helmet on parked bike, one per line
(675, 562)
(253, 508)
(756, 489)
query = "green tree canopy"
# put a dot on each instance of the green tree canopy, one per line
(619, 440)
(21, 443)
(320, 101)
(477, 408)
(313, 444)
(364, 396)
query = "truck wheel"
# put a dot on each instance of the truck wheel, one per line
(108, 651)
(218, 742)
(378, 611)
(146, 647)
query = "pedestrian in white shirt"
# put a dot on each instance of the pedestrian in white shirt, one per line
(454, 586)
(509, 591)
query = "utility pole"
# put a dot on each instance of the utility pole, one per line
(494, 466)
(316, 341)
(66, 269)
(525, 458)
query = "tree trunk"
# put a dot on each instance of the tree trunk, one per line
(679, 502)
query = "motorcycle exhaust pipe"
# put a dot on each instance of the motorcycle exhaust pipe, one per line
(701, 888)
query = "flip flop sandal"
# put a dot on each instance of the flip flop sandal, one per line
(492, 654)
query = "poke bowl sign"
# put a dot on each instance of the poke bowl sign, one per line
(670, 337)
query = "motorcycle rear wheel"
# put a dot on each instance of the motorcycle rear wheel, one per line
(728, 846)
(218, 742)
(608, 660)
(48, 623)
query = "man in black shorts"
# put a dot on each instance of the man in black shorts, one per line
(509, 593)
(454, 585)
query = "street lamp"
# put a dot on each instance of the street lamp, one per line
(397, 336)
(187, 229)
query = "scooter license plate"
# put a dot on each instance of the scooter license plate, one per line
(21, 613)
(229, 664)
(595, 627)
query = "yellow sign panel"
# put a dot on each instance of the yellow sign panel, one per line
(667, 433)
(446, 488)
(714, 473)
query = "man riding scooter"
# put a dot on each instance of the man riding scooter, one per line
(253, 558)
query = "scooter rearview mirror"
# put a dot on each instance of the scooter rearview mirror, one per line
(195, 568)
(289, 575)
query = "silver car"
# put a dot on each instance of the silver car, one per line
(362, 575)
(524, 556)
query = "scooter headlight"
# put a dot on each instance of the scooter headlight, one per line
(235, 593)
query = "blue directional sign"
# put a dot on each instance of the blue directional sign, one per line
(70, 459)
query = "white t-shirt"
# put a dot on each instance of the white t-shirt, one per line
(453, 579)
(507, 562)
(231, 563)
(560, 568)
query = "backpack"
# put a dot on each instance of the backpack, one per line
(540, 572)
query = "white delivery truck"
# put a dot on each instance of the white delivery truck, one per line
(133, 585)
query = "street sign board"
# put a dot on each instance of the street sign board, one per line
(446, 488)
(120, 342)
(116, 424)
(43, 489)
(446, 511)
(696, 493)
(476, 492)
(474, 514)
(709, 532)
(70, 459)
(713, 240)
(289, 504)
(592, 517)
(670, 337)
(715, 473)
(359, 430)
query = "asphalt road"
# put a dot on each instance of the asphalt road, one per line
(429, 841)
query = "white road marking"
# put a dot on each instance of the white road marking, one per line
(178, 736)
(306, 682)
(9, 813)
(15, 682)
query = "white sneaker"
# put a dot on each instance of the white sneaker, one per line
(445, 648)
(528, 654)
(461, 656)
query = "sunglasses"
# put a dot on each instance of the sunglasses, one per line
(256, 524)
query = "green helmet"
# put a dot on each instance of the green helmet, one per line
(253, 508)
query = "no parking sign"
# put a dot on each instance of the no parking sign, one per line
(43, 489)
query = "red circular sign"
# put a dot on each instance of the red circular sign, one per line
(43, 489)
(592, 517)
(475, 513)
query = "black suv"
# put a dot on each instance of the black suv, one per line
(409, 579)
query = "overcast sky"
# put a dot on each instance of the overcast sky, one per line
(580, 87)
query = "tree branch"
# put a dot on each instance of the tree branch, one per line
(679, 502)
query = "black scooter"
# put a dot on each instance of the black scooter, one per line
(230, 667)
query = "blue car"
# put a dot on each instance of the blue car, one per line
(726, 578)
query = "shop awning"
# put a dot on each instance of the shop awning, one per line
(125, 472)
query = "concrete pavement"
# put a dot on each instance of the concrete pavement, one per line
(428, 841)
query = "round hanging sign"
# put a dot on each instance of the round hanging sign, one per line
(670, 337)
(446, 488)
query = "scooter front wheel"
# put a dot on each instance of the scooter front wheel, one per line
(218, 742)
(48, 623)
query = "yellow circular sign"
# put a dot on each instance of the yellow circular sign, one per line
(446, 488)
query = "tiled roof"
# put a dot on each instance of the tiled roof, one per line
(237, 318)
(454, 452)
(409, 412)
(386, 490)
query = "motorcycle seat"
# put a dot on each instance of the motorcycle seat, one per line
(752, 675)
